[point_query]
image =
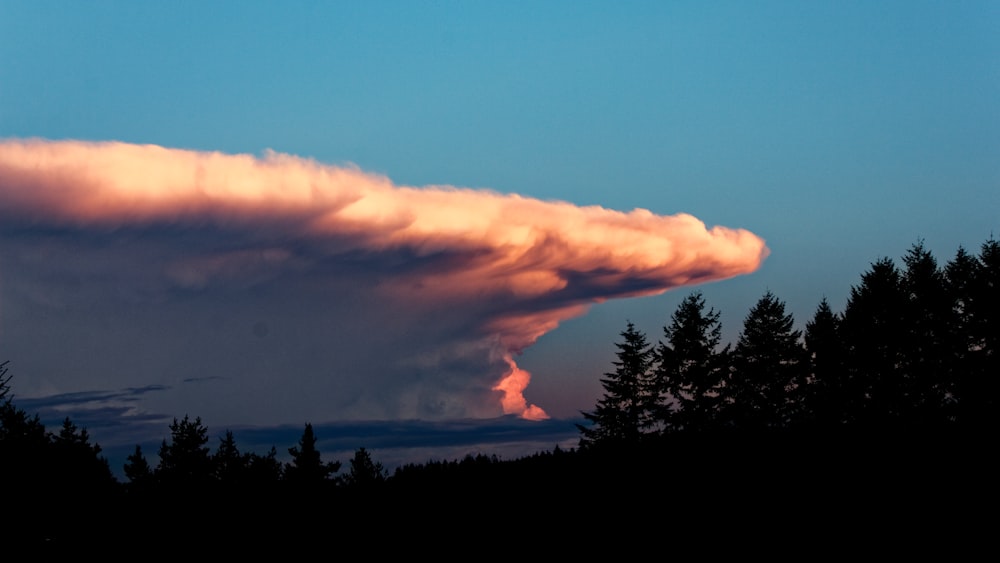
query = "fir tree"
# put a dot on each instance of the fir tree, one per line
(307, 466)
(690, 368)
(624, 413)
(768, 368)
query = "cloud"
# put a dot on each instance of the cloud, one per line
(288, 287)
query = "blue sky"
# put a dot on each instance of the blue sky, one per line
(839, 132)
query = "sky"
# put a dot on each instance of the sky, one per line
(422, 226)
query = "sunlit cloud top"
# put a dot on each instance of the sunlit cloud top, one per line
(483, 271)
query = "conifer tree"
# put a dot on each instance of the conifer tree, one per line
(227, 463)
(873, 330)
(624, 413)
(364, 471)
(930, 343)
(264, 469)
(690, 369)
(185, 461)
(138, 471)
(768, 368)
(826, 392)
(979, 392)
(307, 466)
(76, 463)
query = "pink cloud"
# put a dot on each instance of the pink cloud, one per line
(519, 266)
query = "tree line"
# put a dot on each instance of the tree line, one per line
(915, 347)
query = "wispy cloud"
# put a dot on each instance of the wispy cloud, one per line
(288, 287)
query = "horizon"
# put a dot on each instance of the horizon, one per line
(264, 215)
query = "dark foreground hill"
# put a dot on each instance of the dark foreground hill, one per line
(809, 493)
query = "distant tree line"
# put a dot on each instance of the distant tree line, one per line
(915, 348)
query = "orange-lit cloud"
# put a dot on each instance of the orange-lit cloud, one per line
(503, 269)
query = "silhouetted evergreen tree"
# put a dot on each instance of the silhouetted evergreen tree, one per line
(826, 393)
(264, 469)
(228, 465)
(77, 464)
(185, 461)
(364, 471)
(873, 330)
(24, 444)
(960, 274)
(624, 413)
(307, 466)
(768, 368)
(980, 386)
(929, 343)
(138, 472)
(690, 369)
(17, 428)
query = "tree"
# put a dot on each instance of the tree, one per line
(307, 466)
(690, 368)
(826, 392)
(364, 472)
(138, 471)
(980, 386)
(76, 462)
(185, 461)
(17, 428)
(930, 344)
(24, 444)
(228, 465)
(623, 414)
(264, 469)
(768, 368)
(873, 331)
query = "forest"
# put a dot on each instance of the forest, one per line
(878, 421)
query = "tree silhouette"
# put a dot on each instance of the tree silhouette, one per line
(24, 444)
(929, 343)
(624, 413)
(768, 368)
(185, 460)
(78, 464)
(228, 465)
(872, 327)
(264, 469)
(138, 471)
(826, 395)
(690, 368)
(307, 466)
(364, 472)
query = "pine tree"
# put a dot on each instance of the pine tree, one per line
(981, 386)
(185, 461)
(138, 471)
(690, 368)
(227, 464)
(826, 394)
(960, 275)
(624, 413)
(364, 472)
(768, 368)
(307, 466)
(264, 469)
(24, 444)
(873, 330)
(930, 343)
(77, 463)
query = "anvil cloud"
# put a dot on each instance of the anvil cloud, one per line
(289, 288)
